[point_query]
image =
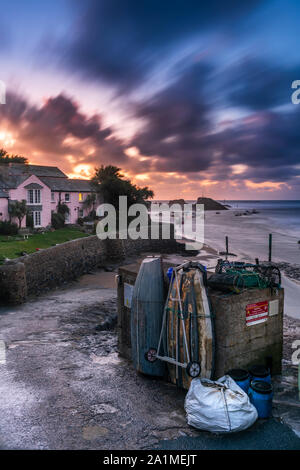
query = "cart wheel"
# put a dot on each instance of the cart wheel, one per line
(193, 369)
(150, 355)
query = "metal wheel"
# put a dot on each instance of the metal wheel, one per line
(193, 369)
(150, 355)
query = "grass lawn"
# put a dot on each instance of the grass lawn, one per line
(11, 247)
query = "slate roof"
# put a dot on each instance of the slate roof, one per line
(68, 185)
(3, 194)
(47, 171)
(37, 170)
(13, 174)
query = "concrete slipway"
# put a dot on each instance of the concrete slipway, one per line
(63, 385)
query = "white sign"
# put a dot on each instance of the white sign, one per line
(273, 307)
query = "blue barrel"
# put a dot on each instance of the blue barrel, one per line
(241, 377)
(261, 394)
(146, 317)
(260, 373)
(169, 273)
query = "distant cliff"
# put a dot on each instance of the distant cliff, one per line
(210, 204)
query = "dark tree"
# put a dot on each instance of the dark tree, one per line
(110, 183)
(5, 158)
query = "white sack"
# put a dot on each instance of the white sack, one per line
(220, 407)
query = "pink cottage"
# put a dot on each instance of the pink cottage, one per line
(42, 187)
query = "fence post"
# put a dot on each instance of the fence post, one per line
(270, 247)
(226, 245)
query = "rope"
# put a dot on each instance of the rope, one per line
(226, 408)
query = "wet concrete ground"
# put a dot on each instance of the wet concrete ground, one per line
(63, 385)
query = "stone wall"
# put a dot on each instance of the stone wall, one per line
(62, 263)
(242, 346)
(13, 285)
(46, 269)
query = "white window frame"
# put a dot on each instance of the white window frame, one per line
(52, 196)
(80, 197)
(67, 199)
(37, 218)
(34, 196)
(30, 194)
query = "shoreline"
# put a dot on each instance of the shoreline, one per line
(248, 239)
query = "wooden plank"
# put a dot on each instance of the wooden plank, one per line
(197, 326)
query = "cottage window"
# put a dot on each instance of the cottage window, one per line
(37, 196)
(52, 196)
(67, 197)
(80, 197)
(33, 196)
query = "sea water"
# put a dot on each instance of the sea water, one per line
(282, 215)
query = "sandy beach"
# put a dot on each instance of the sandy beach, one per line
(248, 239)
(248, 236)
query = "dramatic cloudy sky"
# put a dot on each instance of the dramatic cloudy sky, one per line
(188, 97)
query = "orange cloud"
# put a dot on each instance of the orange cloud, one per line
(266, 185)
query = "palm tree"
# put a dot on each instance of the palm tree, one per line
(18, 210)
(90, 201)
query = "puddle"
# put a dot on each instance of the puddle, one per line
(103, 408)
(111, 359)
(93, 432)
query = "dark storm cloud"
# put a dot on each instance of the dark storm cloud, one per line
(177, 121)
(179, 131)
(61, 115)
(258, 84)
(45, 129)
(179, 135)
(14, 108)
(268, 142)
(120, 41)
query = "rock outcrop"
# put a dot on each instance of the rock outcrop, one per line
(210, 204)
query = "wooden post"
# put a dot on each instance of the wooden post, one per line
(226, 245)
(270, 247)
(299, 380)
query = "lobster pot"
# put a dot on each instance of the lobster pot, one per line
(197, 323)
(146, 316)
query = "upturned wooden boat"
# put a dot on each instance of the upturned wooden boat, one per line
(146, 317)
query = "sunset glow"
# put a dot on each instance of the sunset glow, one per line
(194, 105)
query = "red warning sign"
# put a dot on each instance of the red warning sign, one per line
(257, 313)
